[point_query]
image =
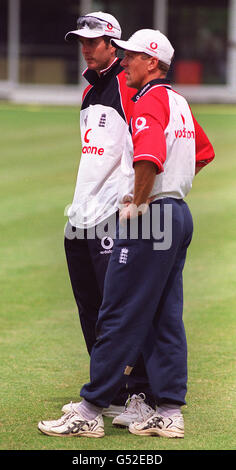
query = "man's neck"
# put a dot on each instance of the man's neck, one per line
(154, 76)
(107, 66)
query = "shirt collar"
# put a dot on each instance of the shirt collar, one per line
(92, 77)
(157, 81)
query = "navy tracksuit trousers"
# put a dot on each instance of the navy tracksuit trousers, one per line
(142, 312)
(87, 259)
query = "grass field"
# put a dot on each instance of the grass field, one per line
(43, 356)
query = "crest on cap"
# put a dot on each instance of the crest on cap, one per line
(153, 45)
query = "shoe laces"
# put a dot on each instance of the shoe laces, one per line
(72, 407)
(137, 403)
(64, 418)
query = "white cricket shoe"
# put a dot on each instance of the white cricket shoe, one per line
(110, 412)
(158, 425)
(135, 410)
(73, 424)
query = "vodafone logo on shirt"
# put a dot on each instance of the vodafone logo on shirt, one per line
(86, 139)
(88, 149)
(140, 124)
(184, 133)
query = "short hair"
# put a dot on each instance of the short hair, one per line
(161, 65)
(107, 39)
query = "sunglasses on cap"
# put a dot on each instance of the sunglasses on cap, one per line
(92, 23)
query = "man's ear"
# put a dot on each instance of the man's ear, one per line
(153, 64)
(113, 49)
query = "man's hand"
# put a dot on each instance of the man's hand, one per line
(145, 173)
(127, 199)
(131, 211)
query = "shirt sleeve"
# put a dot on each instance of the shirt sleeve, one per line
(148, 131)
(204, 149)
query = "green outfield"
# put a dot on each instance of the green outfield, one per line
(43, 359)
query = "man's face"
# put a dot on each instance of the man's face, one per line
(97, 54)
(136, 69)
